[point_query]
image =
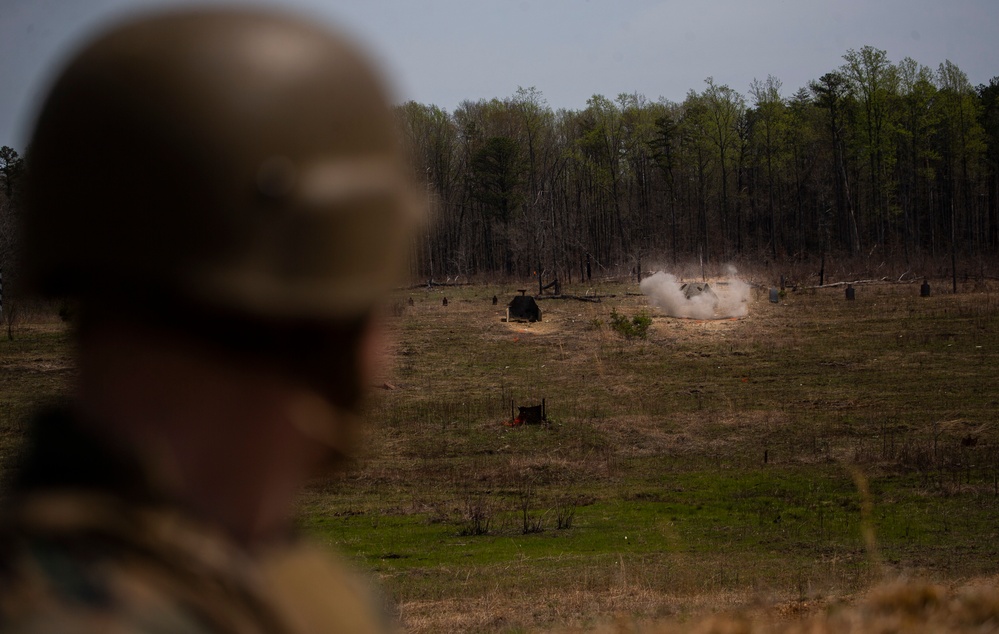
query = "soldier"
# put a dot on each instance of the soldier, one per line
(222, 195)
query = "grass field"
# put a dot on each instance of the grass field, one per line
(804, 452)
(794, 457)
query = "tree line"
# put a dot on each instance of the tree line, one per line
(874, 157)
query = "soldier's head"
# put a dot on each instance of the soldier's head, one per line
(232, 175)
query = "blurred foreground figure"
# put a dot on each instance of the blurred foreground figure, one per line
(221, 195)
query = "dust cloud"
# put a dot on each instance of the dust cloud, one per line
(726, 298)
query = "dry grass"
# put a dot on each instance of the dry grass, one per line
(825, 387)
(899, 607)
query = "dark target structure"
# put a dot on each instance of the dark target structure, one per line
(528, 414)
(523, 308)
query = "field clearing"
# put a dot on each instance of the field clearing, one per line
(800, 454)
(778, 463)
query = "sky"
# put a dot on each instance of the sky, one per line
(444, 52)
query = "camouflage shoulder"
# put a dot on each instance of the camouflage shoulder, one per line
(316, 592)
(78, 563)
(45, 590)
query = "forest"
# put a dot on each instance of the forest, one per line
(892, 160)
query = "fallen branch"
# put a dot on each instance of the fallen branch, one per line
(587, 298)
(883, 280)
(432, 283)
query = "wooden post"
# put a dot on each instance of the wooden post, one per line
(540, 289)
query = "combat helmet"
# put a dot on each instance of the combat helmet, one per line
(230, 159)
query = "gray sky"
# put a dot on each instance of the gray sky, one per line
(447, 51)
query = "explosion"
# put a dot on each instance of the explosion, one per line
(726, 299)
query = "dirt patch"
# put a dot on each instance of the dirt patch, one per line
(547, 327)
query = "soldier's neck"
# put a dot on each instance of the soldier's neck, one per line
(213, 431)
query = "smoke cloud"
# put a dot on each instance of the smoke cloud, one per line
(726, 298)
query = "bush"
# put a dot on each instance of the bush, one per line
(477, 516)
(637, 326)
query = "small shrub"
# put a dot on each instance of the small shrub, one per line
(477, 517)
(526, 496)
(636, 327)
(565, 511)
(11, 317)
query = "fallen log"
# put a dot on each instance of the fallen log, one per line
(596, 299)
(432, 283)
(883, 280)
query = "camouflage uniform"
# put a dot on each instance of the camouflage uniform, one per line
(88, 544)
